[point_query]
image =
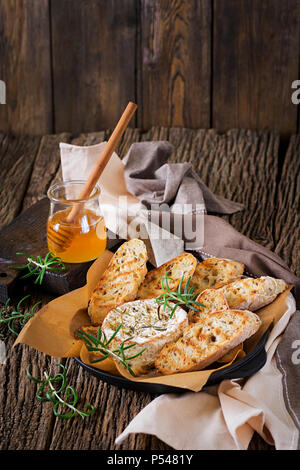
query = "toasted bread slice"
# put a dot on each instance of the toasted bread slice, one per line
(213, 300)
(213, 273)
(205, 342)
(182, 265)
(252, 294)
(120, 281)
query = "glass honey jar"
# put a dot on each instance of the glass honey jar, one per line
(76, 229)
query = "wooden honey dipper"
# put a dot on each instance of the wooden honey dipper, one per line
(63, 238)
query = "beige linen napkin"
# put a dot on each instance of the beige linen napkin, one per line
(225, 416)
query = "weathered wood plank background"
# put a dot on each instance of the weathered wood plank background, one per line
(71, 66)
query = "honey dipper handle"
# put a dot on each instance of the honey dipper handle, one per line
(105, 156)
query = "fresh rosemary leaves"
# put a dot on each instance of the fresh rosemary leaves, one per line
(100, 344)
(38, 266)
(186, 298)
(16, 319)
(55, 389)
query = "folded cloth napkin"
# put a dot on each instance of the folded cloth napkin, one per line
(224, 416)
(153, 180)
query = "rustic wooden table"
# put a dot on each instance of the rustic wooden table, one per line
(254, 168)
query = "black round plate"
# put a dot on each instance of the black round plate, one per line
(245, 367)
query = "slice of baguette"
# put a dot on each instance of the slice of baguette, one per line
(213, 300)
(213, 273)
(252, 294)
(120, 281)
(205, 342)
(182, 265)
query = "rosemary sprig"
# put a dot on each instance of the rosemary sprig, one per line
(55, 389)
(38, 266)
(16, 319)
(186, 298)
(100, 344)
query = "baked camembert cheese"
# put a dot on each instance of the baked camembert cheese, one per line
(145, 325)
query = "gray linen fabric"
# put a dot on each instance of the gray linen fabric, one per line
(288, 362)
(153, 180)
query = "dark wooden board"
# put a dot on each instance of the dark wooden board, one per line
(27, 234)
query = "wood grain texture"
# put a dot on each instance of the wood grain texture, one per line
(33, 417)
(73, 66)
(17, 155)
(46, 166)
(115, 408)
(25, 66)
(25, 423)
(287, 219)
(243, 167)
(174, 66)
(93, 47)
(255, 60)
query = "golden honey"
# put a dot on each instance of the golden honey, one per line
(84, 239)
